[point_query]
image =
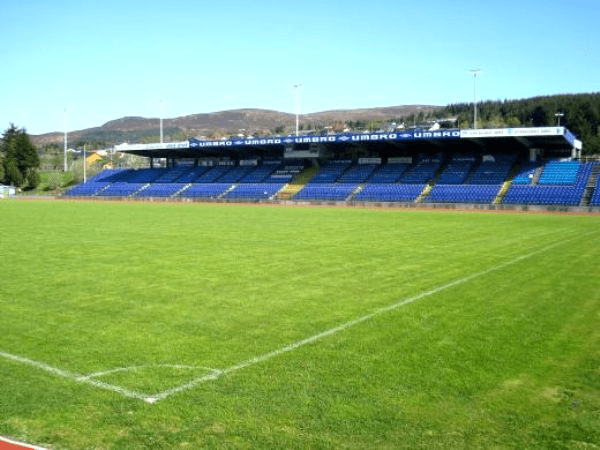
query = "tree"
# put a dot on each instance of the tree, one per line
(374, 125)
(581, 114)
(540, 117)
(19, 159)
(52, 158)
(513, 122)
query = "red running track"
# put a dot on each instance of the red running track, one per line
(8, 444)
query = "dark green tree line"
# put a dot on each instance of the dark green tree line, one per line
(19, 160)
(580, 113)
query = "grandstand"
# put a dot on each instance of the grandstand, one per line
(560, 183)
(506, 167)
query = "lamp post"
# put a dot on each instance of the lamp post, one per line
(297, 90)
(558, 116)
(475, 72)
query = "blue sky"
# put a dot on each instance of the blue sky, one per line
(105, 60)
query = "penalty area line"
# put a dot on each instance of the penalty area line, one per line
(346, 325)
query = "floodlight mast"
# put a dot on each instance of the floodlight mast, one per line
(297, 90)
(84, 165)
(161, 121)
(65, 150)
(475, 72)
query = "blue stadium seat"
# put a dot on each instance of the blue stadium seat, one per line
(464, 193)
(235, 174)
(163, 190)
(458, 169)
(326, 191)
(173, 174)
(388, 173)
(423, 171)
(331, 171)
(213, 174)
(121, 189)
(286, 172)
(205, 190)
(254, 191)
(555, 190)
(494, 169)
(357, 174)
(526, 173)
(259, 173)
(390, 192)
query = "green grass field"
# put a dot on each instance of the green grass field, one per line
(186, 326)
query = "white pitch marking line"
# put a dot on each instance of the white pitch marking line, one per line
(185, 387)
(214, 374)
(288, 348)
(76, 377)
(345, 326)
(145, 366)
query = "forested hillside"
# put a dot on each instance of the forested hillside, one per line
(580, 114)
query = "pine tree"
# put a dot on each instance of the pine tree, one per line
(19, 159)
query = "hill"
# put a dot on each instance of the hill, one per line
(141, 129)
(580, 113)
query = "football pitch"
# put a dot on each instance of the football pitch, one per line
(174, 326)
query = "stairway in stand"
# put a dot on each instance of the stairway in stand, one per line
(297, 183)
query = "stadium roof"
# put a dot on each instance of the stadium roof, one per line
(555, 139)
